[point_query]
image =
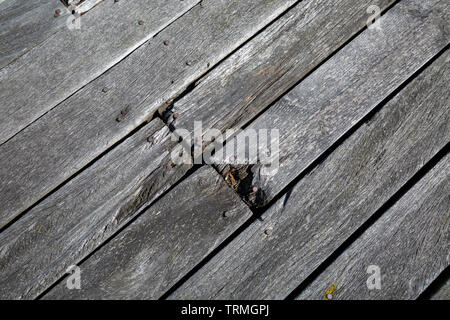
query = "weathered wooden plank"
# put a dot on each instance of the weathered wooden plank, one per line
(277, 252)
(25, 24)
(274, 61)
(163, 244)
(71, 58)
(407, 248)
(69, 224)
(317, 112)
(64, 140)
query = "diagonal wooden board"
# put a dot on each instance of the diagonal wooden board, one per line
(73, 221)
(25, 24)
(163, 244)
(323, 107)
(69, 59)
(274, 61)
(67, 138)
(407, 248)
(276, 253)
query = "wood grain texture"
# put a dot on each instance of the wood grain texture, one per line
(317, 112)
(87, 5)
(65, 139)
(274, 61)
(71, 58)
(68, 225)
(163, 244)
(409, 245)
(25, 24)
(324, 208)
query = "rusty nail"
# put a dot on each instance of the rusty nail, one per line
(150, 139)
(189, 63)
(141, 22)
(58, 11)
(119, 119)
(268, 232)
(124, 112)
(176, 115)
(227, 214)
(166, 43)
(105, 90)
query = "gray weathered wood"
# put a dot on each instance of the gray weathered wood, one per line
(163, 244)
(87, 5)
(25, 24)
(69, 59)
(65, 139)
(68, 225)
(409, 245)
(324, 208)
(317, 112)
(265, 68)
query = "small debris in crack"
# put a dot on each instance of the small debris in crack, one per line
(241, 180)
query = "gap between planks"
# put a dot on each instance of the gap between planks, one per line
(335, 198)
(54, 148)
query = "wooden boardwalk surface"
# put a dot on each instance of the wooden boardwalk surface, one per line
(100, 99)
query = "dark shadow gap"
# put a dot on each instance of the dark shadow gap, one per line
(436, 285)
(367, 118)
(76, 174)
(190, 172)
(168, 105)
(370, 222)
(257, 212)
(104, 72)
